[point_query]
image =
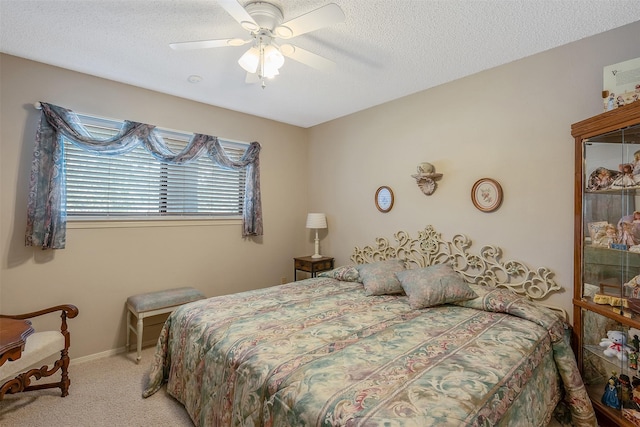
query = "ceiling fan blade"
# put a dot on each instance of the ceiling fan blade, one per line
(311, 21)
(239, 13)
(307, 58)
(206, 44)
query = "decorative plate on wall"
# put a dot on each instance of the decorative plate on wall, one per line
(486, 194)
(384, 199)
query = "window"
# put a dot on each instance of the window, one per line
(137, 185)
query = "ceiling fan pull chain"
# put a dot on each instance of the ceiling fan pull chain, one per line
(261, 59)
(261, 63)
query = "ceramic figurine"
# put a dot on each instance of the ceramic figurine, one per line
(625, 389)
(610, 395)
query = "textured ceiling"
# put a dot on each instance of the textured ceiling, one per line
(384, 50)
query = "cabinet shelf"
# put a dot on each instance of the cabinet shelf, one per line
(607, 310)
(614, 190)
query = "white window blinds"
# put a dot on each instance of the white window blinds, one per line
(137, 185)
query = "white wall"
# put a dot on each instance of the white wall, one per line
(511, 123)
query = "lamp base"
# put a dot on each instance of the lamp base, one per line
(316, 253)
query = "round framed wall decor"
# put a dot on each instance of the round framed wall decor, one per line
(384, 199)
(486, 194)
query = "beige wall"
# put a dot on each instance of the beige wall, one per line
(511, 123)
(102, 266)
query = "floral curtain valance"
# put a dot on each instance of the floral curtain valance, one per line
(46, 209)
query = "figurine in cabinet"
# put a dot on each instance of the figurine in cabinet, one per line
(636, 163)
(601, 179)
(629, 229)
(634, 217)
(628, 235)
(616, 343)
(626, 179)
(606, 236)
(633, 288)
(610, 395)
(625, 389)
(635, 394)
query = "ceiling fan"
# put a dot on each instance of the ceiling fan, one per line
(264, 22)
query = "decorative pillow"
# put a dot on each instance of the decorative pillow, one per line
(347, 273)
(379, 278)
(434, 285)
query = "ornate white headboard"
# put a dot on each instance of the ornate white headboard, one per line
(485, 268)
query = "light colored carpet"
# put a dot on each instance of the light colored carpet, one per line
(104, 392)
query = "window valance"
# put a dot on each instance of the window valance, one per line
(46, 209)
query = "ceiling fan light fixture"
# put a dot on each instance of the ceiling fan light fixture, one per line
(272, 60)
(273, 57)
(250, 60)
(264, 21)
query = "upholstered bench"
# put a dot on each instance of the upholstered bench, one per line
(154, 303)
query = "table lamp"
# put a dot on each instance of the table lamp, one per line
(316, 221)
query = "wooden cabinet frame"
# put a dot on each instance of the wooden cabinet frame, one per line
(601, 124)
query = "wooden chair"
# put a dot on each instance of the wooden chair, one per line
(39, 346)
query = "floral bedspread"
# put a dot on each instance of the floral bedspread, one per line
(320, 353)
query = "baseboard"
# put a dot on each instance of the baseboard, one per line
(109, 353)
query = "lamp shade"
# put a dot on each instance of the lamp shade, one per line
(250, 60)
(316, 220)
(272, 61)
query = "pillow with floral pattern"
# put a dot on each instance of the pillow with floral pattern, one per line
(346, 273)
(379, 278)
(434, 285)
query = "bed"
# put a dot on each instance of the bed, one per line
(463, 342)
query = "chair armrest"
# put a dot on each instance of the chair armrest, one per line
(68, 310)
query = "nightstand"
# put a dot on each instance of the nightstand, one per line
(311, 265)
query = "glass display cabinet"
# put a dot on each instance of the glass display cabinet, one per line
(607, 262)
